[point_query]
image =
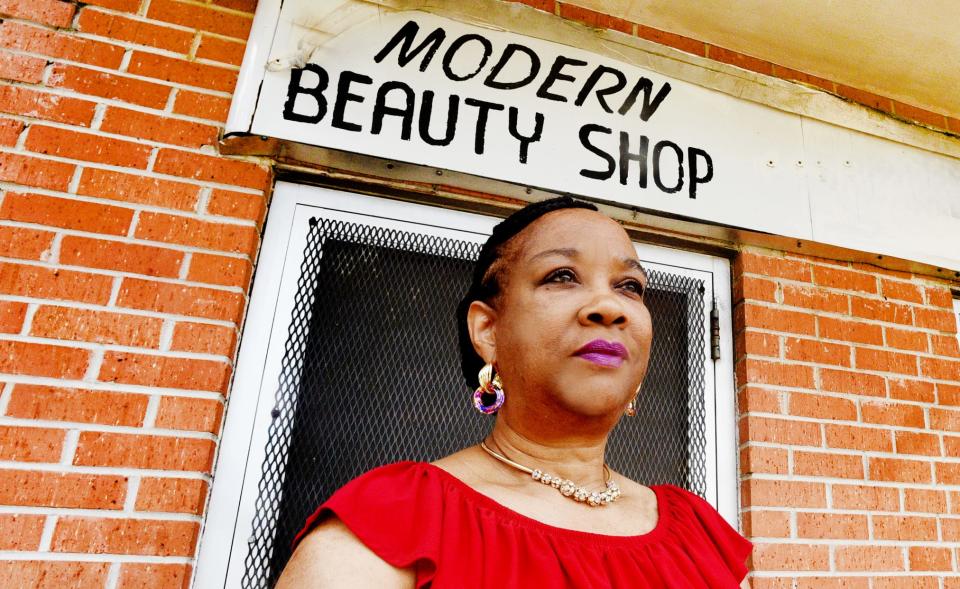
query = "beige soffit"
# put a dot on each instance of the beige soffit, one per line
(908, 51)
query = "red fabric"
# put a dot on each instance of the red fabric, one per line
(417, 514)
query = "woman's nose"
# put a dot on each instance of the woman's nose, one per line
(603, 309)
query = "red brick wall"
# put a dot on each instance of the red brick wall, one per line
(126, 249)
(848, 385)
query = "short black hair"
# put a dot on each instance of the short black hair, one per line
(486, 284)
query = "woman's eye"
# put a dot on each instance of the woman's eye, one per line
(634, 286)
(561, 275)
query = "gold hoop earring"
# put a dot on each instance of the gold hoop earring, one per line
(632, 405)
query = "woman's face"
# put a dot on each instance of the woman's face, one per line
(570, 329)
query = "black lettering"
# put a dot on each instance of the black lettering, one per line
(380, 109)
(649, 106)
(555, 75)
(483, 109)
(344, 96)
(626, 157)
(295, 88)
(525, 140)
(657, 150)
(406, 35)
(508, 52)
(692, 154)
(426, 114)
(455, 47)
(618, 85)
(585, 132)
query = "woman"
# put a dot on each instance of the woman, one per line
(555, 332)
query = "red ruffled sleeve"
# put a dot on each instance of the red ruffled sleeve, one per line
(732, 547)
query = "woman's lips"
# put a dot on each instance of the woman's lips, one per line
(603, 353)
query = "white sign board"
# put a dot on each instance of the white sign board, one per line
(419, 88)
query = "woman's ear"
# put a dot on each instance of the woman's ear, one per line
(481, 321)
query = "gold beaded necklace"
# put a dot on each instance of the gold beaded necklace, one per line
(566, 487)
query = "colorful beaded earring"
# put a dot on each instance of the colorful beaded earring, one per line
(489, 395)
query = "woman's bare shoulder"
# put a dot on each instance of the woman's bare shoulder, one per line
(332, 556)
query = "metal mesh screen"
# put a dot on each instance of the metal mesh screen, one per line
(370, 375)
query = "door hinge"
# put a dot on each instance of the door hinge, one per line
(714, 331)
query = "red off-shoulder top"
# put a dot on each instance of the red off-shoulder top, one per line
(415, 514)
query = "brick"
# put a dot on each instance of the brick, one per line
(202, 106)
(881, 310)
(904, 291)
(125, 536)
(66, 213)
(868, 558)
(179, 71)
(758, 344)
(766, 523)
(841, 526)
(204, 338)
(107, 85)
(172, 495)
(854, 437)
(186, 413)
(752, 288)
(20, 532)
(119, 5)
(778, 493)
(898, 414)
(12, 315)
(46, 12)
(51, 43)
(844, 279)
(740, 60)
(66, 490)
(944, 419)
(954, 125)
(948, 394)
(945, 345)
(929, 558)
(87, 147)
(165, 371)
(198, 233)
(115, 26)
(78, 405)
(48, 574)
(896, 469)
(856, 383)
(203, 18)
(822, 407)
(30, 444)
(752, 399)
(143, 451)
(775, 373)
(939, 297)
(685, 44)
(135, 575)
(240, 205)
(824, 464)
(815, 299)
(935, 319)
(865, 98)
(156, 128)
(904, 339)
(180, 299)
(925, 500)
(28, 102)
(779, 431)
(803, 78)
(103, 327)
(123, 257)
(42, 360)
(790, 557)
(884, 361)
(940, 369)
(222, 50)
(50, 283)
(773, 267)
(25, 243)
(21, 68)
(951, 529)
(850, 331)
(31, 171)
(865, 497)
(811, 350)
(212, 169)
(594, 19)
(917, 443)
(898, 527)
(241, 5)
(138, 189)
(951, 446)
(760, 459)
(775, 319)
(10, 131)
(947, 473)
(222, 270)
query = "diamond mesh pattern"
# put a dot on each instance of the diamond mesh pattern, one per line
(370, 375)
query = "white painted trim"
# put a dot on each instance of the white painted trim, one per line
(255, 55)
